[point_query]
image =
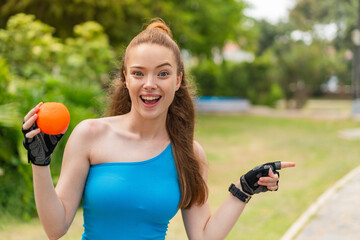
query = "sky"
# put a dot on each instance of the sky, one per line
(271, 10)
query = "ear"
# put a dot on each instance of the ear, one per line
(178, 81)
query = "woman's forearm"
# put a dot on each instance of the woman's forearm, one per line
(223, 220)
(49, 207)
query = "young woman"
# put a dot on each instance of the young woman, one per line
(136, 168)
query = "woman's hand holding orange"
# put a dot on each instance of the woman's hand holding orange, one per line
(39, 144)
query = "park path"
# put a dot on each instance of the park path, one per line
(334, 216)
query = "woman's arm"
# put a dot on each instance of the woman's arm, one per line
(57, 207)
(201, 225)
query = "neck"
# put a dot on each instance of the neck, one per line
(147, 129)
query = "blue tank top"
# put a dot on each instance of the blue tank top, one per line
(131, 200)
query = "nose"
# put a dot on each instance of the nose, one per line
(150, 82)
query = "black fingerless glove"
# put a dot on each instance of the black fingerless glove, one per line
(40, 147)
(249, 180)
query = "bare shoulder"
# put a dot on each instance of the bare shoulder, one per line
(200, 152)
(86, 131)
(201, 156)
(91, 128)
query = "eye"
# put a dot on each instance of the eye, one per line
(163, 74)
(137, 74)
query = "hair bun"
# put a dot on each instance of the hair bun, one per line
(158, 23)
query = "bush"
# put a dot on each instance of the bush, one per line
(36, 66)
(206, 75)
(253, 81)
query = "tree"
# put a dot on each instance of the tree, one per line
(308, 13)
(304, 64)
(303, 68)
(198, 25)
(269, 33)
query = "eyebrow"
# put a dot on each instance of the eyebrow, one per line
(159, 66)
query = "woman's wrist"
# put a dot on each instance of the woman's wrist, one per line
(236, 191)
(238, 185)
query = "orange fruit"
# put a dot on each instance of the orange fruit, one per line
(53, 118)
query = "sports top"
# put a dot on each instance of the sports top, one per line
(131, 200)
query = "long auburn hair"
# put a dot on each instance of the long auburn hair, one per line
(180, 119)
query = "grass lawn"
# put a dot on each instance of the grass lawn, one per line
(235, 144)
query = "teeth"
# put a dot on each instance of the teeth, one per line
(149, 98)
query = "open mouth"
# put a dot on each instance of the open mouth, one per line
(150, 99)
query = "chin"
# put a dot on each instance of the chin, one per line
(153, 115)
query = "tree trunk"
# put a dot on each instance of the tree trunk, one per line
(300, 95)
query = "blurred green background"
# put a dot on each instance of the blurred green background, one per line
(69, 51)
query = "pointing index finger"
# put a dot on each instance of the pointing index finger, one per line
(287, 164)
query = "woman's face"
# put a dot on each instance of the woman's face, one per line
(151, 78)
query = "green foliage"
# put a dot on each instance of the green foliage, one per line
(197, 25)
(308, 13)
(303, 68)
(28, 46)
(254, 81)
(36, 66)
(33, 52)
(206, 75)
(304, 65)
(4, 80)
(269, 33)
(8, 115)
